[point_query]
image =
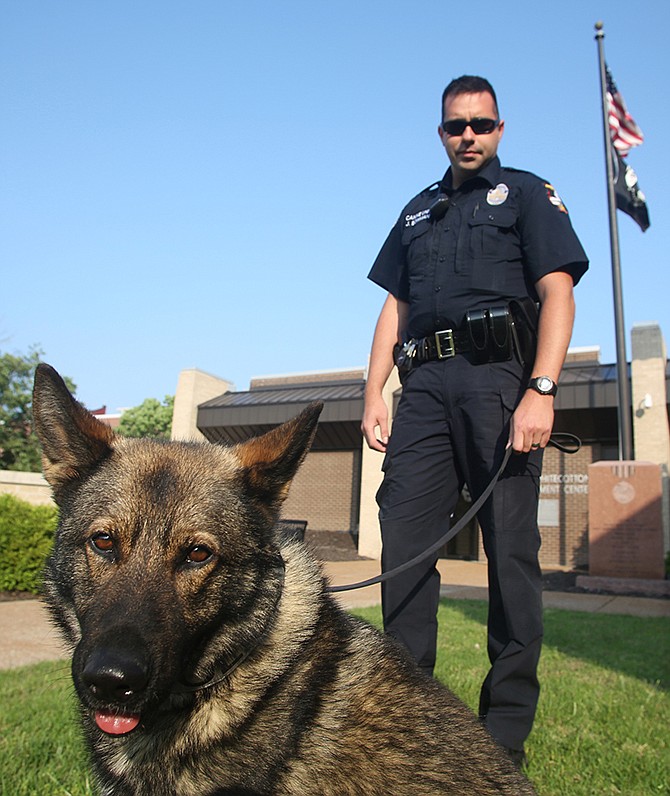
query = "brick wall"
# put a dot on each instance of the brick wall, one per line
(563, 515)
(564, 503)
(326, 491)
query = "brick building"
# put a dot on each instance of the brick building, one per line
(335, 488)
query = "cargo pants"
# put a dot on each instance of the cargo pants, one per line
(451, 429)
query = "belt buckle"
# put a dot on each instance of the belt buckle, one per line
(444, 342)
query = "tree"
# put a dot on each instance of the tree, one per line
(150, 419)
(19, 448)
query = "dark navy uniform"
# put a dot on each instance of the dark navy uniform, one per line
(503, 230)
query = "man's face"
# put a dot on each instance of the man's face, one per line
(469, 152)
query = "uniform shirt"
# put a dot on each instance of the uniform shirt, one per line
(503, 230)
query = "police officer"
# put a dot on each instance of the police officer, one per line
(484, 239)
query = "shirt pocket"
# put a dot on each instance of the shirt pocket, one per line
(417, 241)
(493, 234)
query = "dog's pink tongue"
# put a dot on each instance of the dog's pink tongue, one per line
(115, 724)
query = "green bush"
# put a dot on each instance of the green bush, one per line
(26, 536)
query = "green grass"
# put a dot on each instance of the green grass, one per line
(41, 753)
(603, 724)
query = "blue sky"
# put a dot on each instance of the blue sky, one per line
(206, 184)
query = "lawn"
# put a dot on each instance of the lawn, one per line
(603, 722)
(602, 726)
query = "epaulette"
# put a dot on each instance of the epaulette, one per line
(522, 171)
(422, 197)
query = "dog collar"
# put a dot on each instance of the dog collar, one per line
(219, 676)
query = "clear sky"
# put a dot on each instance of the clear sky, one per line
(206, 183)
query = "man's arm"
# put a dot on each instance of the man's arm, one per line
(389, 330)
(534, 416)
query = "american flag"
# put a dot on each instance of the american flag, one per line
(623, 129)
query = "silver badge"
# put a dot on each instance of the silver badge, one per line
(498, 195)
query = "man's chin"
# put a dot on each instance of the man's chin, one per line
(471, 162)
(466, 170)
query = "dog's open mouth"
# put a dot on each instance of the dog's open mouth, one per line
(116, 723)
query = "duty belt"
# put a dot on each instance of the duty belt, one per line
(440, 345)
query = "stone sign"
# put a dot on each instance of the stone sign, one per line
(625, 520)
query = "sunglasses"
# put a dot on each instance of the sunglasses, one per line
(478, 126)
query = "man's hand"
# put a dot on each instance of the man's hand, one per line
(533, 419)
(531, 423)
(375, 416)
(388, 332)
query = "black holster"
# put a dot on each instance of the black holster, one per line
(403, 360)
(525, 318)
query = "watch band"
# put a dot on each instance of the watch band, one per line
(543, 385)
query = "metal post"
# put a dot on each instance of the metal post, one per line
(623, 382)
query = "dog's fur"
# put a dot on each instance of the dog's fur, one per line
(190, 618)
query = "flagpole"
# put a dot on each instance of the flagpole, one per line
(623, 383)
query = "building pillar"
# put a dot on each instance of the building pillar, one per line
(369, 535)
(194, 388)
(650, 412)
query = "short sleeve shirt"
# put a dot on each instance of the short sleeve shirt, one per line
(503, 230)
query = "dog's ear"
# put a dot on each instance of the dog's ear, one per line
(271, 460)
(72, 440)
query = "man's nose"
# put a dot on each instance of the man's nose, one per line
(468, 134)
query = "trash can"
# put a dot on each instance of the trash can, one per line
(292, 529)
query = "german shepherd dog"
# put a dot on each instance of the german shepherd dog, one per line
(208, 658)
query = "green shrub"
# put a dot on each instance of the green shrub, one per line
(26, 536)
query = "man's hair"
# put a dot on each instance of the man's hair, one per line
(468, 84)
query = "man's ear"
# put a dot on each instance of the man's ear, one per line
(271, 460)
(73, 441)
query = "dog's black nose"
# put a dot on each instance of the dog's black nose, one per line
(114, 675)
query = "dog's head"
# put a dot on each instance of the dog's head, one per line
(164, 566)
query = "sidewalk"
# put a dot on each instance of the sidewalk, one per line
(467, 580)
(28, 637)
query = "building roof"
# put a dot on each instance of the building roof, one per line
(587, 385)
(236, 416)
(586, 401)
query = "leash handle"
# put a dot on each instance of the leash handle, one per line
(565, 442)
(570, 444)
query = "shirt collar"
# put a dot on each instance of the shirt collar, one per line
(490, 174)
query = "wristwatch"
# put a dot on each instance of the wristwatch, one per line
(544, 385)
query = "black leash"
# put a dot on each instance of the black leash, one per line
(564, 442)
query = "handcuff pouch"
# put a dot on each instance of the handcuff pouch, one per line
(500, 334)
(476, 323)
(490, 335)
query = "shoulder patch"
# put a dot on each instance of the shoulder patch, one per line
(554, 198)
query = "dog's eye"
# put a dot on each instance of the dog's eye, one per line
(102, 543)
(198, 554)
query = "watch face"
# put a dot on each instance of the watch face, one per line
(544, 384)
